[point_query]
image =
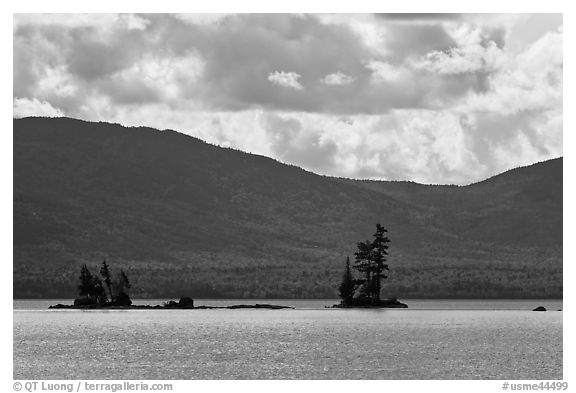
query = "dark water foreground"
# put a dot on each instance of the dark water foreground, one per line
(313, 343)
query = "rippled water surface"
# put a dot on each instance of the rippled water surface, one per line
(431, 340)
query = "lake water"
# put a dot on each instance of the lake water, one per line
(433, 339)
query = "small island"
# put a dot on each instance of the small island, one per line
(371, 263)
(97, 293)
(364, 292)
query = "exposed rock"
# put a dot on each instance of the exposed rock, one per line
(539, 308)
(83, 301)
(269, 306)
(60, 305)
(170, 305)
(366, 303)
(186, 302)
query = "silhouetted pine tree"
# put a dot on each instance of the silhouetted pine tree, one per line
(363, 263)
(348, 285)
(379, 254)
(105, 272)
(99, 292)
(123, 297)
(370, 260)
(86, 285)
(124, 282)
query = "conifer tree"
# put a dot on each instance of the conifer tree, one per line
(347, 286)
(123, 285)
(86, 285)
(124, 282)
(379, 254)
(371, 261)
(363, 263)
(105, 272)
(99, 292)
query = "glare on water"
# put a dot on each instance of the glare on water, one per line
(305, 343)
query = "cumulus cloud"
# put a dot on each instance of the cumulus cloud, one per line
(292, 142)
(129, 21)
(285, 79)
(385, 72)
(243, 60)
(202, 19)
(404, 40)
(24, 107)
(530, 81)
(420, 16)
(427, 97)
(476, 51)
(337, 78)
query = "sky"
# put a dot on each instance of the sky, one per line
(431, 98)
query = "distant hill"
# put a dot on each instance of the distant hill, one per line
(186, 217)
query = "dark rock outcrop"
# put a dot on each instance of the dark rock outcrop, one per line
(83, 301)
(269, 306)
(186, 302)
(539, 308)
(364, 303)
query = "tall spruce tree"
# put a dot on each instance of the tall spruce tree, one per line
(371, 262)
(124, 282)
(86, 284)
(379, 254)
(99, 292)
(122, 287)
(347, 286)
(106, 277)
(91, 286)
(363, 263)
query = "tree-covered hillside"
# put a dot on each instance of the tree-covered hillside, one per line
(186, 217)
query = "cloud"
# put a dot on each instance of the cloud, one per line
(385, 72)
(431, 98)
(393, 146)
(239, 61)
(154, 79)
(290, 142)
(337, 78)
(530, 81)
(404, 41)
(24, 107)
(203, 18)
(285, 79)
(100, 21)
(419, 17)
(477, 52)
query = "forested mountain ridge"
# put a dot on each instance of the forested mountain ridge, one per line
(186, 217)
